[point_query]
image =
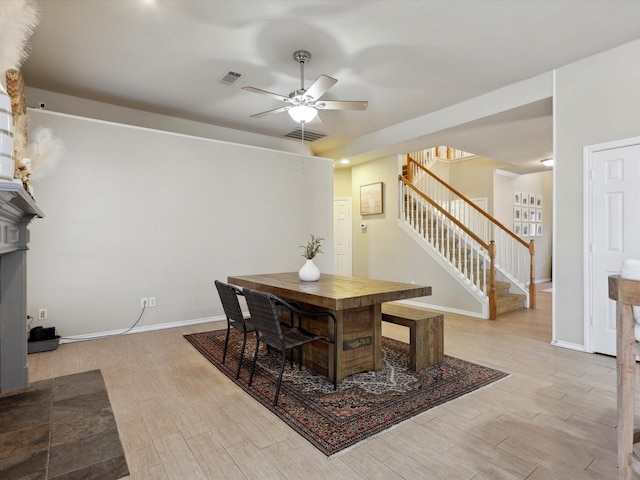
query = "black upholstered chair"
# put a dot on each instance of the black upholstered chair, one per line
(235, 318)
(263, 308)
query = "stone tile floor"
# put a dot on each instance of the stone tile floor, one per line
(62, 428)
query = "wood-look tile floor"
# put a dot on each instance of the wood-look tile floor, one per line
(179, 418)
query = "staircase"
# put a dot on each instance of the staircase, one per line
(508, 302)
(491, 262)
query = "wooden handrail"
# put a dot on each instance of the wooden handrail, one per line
(467, 200)
(488, 243)
(489, 247)
(457, 222)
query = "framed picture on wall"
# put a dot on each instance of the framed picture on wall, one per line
(538, 229)
(517, 228)
(525, 229)
(532, 229)
(539, 201)
(517, 213)
(516, 198)
(371, 199)
(538, 214)
(532, 200)
(532, 215)
(525, 214)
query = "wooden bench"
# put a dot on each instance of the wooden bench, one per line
(426, 332)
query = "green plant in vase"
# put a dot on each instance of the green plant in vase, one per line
(309, 271)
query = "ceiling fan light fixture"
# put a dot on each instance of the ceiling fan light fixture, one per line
(303, 113)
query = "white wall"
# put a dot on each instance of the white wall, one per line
(474, 178)
(533, 183)
(133, 212)
(60, 103)
(385, 251)
(596, 101)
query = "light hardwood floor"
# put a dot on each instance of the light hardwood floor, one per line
(179, 418)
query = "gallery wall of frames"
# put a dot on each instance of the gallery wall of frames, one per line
(527, 214)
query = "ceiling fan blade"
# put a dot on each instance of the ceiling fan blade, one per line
(270, 112)
(320, 87)
(341, 105)
(268, 94)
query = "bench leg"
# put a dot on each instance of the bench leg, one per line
(426, 343)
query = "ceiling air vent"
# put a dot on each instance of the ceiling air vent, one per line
(230, 77)
(309, 135)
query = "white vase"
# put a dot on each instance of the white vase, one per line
(6, 136)
(309, 272)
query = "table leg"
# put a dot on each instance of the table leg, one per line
(359, 341)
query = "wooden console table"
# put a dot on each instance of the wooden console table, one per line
(17, 209)
(626, 293)
(356, 303)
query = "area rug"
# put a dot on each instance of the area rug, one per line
(61, 429)
(364, 404)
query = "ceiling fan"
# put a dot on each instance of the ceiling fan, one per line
(303, 105)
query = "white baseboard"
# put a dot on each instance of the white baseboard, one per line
(145, 328)
(570, 346)
(439, 308)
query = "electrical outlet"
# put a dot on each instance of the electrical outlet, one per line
(144, 302)
(42, 314)
(152, 301)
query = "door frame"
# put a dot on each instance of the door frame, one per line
(587, 154)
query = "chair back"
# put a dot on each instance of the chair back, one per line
(265, 318)
(229, 298)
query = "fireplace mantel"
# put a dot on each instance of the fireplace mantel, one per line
(17, 209)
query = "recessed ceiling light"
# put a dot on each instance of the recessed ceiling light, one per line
(547, 162)
(344, 161)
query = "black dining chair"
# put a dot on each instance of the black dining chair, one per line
(235, 318)
(263, 308)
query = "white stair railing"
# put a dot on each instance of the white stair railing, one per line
(462, 249)
(514, 257)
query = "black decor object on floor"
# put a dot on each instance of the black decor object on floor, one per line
(42, 339)
(364, 404)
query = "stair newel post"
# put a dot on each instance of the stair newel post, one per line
(532, 274)
(493, 296)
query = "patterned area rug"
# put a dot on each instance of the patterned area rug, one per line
(364, 404)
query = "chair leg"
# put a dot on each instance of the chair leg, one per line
(226, 343)
(244, 343)
(284, 361)
(255, 359)
(335, 356)
(335, 367)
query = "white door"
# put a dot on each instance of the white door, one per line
(614, 233)
(342, 236)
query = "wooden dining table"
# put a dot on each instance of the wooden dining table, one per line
(355, 302)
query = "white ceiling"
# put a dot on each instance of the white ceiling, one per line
(406, 57)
